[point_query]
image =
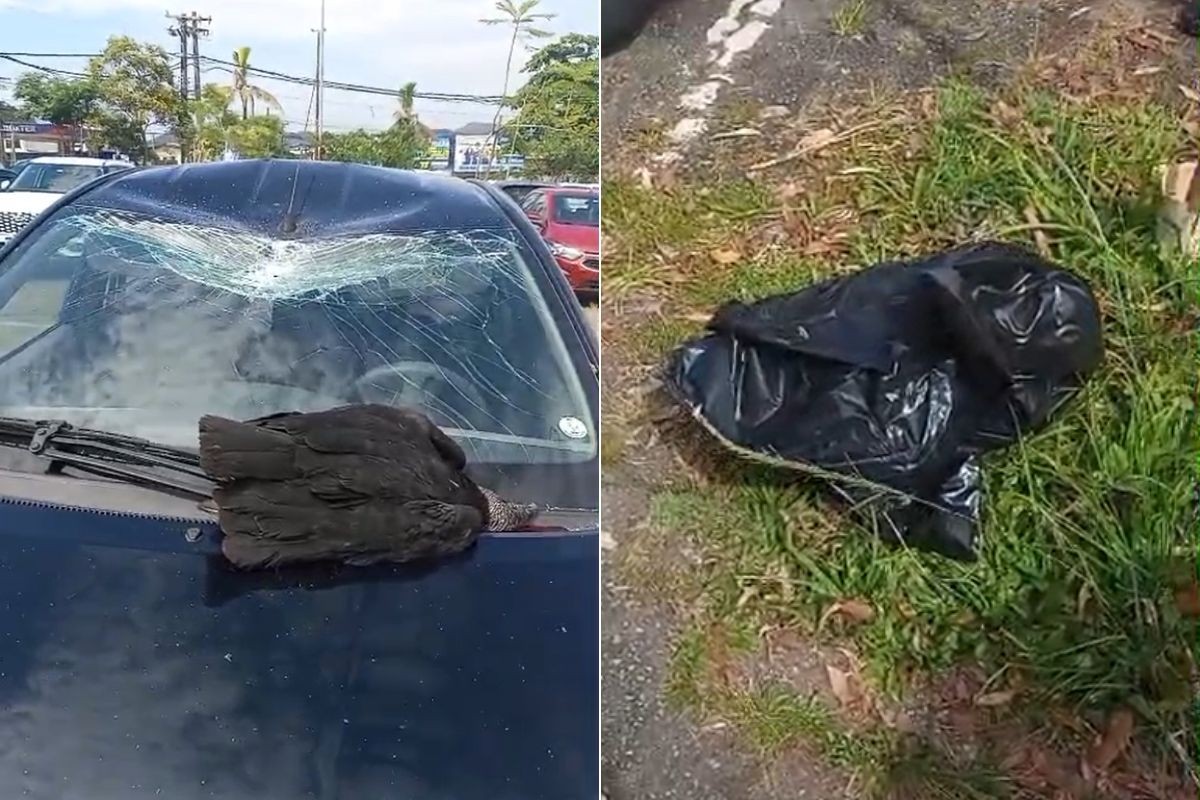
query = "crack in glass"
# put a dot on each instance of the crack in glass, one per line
(163, 321)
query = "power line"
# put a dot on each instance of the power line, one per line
(228, 66)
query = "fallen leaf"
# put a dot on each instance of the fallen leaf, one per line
(853, 609)
(995, 699)
(1190, 93)
(817, 139)
(738, 133)
(1006, 113)
(1082, 599)
(1116, 738)
(1187, 600)
(844, 686)
(1039, 236)
(789, 191)
(725, 256)
(1147, 70)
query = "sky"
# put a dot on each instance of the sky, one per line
(440, 44)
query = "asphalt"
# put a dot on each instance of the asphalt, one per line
(698, 56)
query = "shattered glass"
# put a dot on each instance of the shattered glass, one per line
(129, 323)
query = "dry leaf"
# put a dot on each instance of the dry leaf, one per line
(1081, 601)
(1006, 113)
(1187, 600)
(844, 686)
(996, 699)
(817, 139)
(1039, 236)
(852, 609)
(1116, 738)
(789, 191)
(725, 256)
(1190, 93)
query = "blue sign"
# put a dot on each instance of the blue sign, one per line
(30, 128)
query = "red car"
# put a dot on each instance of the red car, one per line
(569, 219)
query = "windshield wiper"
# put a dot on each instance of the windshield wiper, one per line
(112, 455)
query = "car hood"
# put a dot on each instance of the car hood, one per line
(137, 663)
(583, 237)
(27, 202)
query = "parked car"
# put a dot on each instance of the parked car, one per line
(569, 220)
(518, 190)
(135, 660)
(41, 181)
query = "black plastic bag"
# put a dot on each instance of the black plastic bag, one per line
(899, 375)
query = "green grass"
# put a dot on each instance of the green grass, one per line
(661, 232)
(850, 18)
(1088, 525)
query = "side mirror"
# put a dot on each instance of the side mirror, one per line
(4, 182)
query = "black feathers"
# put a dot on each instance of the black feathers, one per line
(359, 484)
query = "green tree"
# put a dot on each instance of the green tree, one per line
(399, 147)
(210, 122)
(407, 94)
(245, 92)
(258, 137)
(521, 15)
(214, 128)
(557, 125)
(135, 89)
(63, 101)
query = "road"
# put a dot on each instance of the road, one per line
(699, 56)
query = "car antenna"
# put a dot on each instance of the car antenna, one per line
(290, 220)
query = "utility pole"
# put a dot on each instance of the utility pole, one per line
(181, 31)
(199, 28)
(320, 122)
(189, 26)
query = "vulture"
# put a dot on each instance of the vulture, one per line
(360, 484)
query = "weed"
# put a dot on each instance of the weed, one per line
(850, 19)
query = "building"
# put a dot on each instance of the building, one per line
(32, 138)
(476, 154)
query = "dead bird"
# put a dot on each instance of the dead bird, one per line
(360, 484)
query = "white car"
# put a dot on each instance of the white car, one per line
(44, 180)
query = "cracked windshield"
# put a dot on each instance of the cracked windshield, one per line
(299, 399)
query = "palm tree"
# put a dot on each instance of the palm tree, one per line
(407, 94)
(247, 92)
(521, 16)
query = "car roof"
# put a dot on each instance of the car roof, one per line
(79, 161)
(326, 198)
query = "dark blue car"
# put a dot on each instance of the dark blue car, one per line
(134, 661)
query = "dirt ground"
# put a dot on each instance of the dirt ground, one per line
(662, 109)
